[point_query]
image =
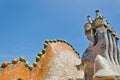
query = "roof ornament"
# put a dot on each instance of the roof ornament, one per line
(89, 19)
(98, 15)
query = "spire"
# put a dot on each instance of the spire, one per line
(89, 19)
(98, 14)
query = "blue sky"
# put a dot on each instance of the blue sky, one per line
(26, 24)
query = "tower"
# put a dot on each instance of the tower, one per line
(103, 46)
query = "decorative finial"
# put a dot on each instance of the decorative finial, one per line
(98, 14)
(14, 61)
(43, 51)
(22, 59)
(40, 54)
(4, 64)
(45, 45)
(30, 67)
(88, 16)
(97, 11)
(89, 19)
(37, 58)
(26, 64)
(35, 64)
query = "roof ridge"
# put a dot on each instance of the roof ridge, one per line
(39, 55)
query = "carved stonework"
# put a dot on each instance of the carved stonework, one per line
(103, 55)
